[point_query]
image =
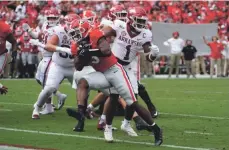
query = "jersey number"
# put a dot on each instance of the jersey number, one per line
(65, 55)
(127, 52)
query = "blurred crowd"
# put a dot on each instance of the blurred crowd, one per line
(188, 12)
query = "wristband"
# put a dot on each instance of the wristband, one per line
(1, 85)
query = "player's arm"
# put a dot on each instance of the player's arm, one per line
(205, 41)
(108, 31)
(104, 46)
(33, 34)
(10, 38)
(151, 51)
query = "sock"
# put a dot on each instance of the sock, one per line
(126, 121)
(82, 109)
(90, 106)
(154, 127)
(102, 119)
(108, 126)
(145, 97)
(138, 120)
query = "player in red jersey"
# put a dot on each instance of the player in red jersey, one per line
(5, 35)
(109, 73)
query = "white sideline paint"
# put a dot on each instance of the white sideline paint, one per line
(201, 133)
(163, 113)
(5, 109)
(98, 138)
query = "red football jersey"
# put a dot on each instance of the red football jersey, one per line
(100, 63)
(25, 45)
(4, 32)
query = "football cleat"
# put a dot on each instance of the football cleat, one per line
(78, 116)
(108, 134)
(48, 109)
(158, 135)
(126, 127)
(35, 114)
(61, 101)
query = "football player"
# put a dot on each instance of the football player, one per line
(6, 34)
(61, 66)
(130, 38)
(52, 19)
(109, 73)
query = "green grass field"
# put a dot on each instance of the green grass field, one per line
(194, 115)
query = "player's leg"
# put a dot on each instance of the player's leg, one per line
(3, 60)
(51, 82)
(24, 59)
(30, 65)
(126, 91)
(94, 80)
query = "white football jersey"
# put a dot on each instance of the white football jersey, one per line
(61, 58)
(106, 22)
(44, 30)
(126, 47)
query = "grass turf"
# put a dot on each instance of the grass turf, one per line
(175, 99)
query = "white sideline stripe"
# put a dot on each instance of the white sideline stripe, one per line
(163, 113)
(5, 109)
(202, 133)
(98, 138)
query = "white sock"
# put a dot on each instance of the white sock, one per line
(90, 106)
(102, 119)
(108, 126)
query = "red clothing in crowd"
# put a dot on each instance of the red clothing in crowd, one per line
(216, 49)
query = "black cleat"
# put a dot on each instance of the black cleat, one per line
(158, 137)
(153, 113)
(78, 116)
(80, 126)
(73, 113)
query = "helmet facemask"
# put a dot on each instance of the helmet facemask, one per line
(76, 34)
(52, 20)
(139, 23)
(121, 16)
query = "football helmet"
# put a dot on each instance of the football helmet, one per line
(137, 18)
(69, 18)
(90, 16)
(117, 12)
(79, 29)
(26, 36)
(52, 16)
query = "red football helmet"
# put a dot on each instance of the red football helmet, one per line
(26, 36)
(117, 12)
(79, 29)
(52, 16)
(138, 18)
(90, 16)
(69, 18)
(18, 31)
(176, 34)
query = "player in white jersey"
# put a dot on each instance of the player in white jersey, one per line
(61, 66)
(51, 21)
(130, 38)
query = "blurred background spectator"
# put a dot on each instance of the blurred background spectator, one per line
(189, 53)
(175, 45)
(185, 12)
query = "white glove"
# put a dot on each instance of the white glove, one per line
(26, 27)
(34, 42)
(154, 50)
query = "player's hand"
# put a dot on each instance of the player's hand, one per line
(34, 42)
(154, 49)
(25, 27)
(3, 90)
